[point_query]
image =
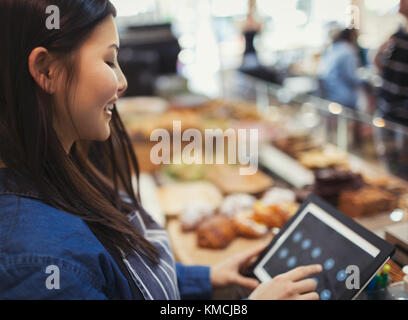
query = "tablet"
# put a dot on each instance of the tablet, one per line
(319, 234)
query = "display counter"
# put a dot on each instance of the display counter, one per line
(305, 145)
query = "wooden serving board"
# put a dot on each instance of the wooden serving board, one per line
(187, 251)
(229, 179)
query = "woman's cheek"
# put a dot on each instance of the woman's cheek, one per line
(94, 92)
(112, 83)
(106, 85)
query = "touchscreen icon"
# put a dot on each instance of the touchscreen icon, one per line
(297, 236)
(283, 253)
(325, 295)
(341, 275)
(316, 252)
(329, 264)
(306, 244)
(291, 262)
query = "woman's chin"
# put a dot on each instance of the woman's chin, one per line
(106, 136)
(103, 135)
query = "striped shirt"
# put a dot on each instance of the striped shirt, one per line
(394, 90)
(154, 281)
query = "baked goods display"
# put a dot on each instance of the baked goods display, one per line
(247, 215)
(366, 201)
(235, 203)
(330, 182)
(194, 213)
(311, 153)
(352, 192)
(215, 204)
(174, 197)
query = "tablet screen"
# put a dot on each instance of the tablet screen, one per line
(316, 236)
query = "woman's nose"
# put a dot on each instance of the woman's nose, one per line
(123, 84)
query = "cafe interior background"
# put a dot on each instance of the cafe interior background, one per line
(209, 64)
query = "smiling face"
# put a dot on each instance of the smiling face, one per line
(98, 83)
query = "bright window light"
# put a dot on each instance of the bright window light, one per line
(381, 6)
(132, 7)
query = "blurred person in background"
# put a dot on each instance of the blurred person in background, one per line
(338, 69)
(338, 79)
(251, 65)
(250, 29)
(392, 62)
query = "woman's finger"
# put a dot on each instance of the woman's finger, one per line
(305, 286)
(249, 283)
(303, 272)
(308, 296)
(254, 251)
(249, 262)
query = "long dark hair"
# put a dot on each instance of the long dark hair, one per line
(94, 180)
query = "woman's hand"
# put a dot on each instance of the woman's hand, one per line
(289, 286)
(230, 270)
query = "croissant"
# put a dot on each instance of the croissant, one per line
(216, 232)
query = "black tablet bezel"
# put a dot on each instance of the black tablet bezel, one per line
(386, 249)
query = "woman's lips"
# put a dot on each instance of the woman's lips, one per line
(108, 109)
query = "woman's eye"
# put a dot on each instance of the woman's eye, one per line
(110, 64)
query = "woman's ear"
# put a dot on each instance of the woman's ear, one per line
(41, 69)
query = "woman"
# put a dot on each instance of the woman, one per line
(71, 226)
(250, 30)
(338, 70)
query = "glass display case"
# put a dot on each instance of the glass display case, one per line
(373, 146)
(306, 145)
(379, 143)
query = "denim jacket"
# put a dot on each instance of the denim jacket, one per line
(47, 253)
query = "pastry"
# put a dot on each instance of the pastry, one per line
(391, 184)
(216, 232)
(194, 213)
(246, 226)
(295, 144)
(397, 188)
(174, 197)
(278, 195)
(236, 203)
(330, 182)
(272, 216)
(328, 157)
(290, 207)
(366, 201)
